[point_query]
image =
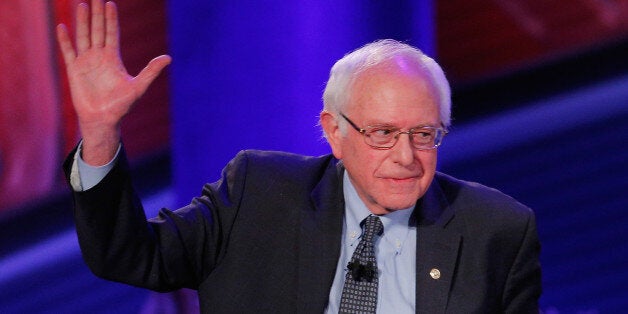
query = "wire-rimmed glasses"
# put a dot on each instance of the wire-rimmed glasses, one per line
(386, 136)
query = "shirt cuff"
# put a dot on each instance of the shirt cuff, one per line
(84, 176)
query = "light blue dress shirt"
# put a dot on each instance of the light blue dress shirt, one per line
(83, 176)
(395, 250)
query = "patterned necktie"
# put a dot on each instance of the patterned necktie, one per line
(359, 294)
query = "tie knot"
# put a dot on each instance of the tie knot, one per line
(372, 226)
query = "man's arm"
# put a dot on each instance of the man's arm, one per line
(84, 176)
(102, 90)
(118, 243)
(523, 286)
(116, 240)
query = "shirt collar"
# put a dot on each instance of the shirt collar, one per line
(396, 224)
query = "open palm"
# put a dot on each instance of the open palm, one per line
(102, 90)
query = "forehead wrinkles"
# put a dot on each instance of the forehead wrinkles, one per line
(388, 81)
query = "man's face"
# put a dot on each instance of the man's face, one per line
(394, 95)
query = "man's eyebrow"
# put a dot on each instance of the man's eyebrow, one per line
(426, 125)
(391, 125)
(386, 124)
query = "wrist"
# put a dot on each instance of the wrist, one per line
(99, 144)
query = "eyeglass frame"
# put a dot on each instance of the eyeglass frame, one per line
(410, 133)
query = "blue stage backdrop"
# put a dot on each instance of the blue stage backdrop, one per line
(248, 75)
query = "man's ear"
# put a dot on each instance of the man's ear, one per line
(332, 132)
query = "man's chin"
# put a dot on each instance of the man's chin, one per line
(403, 205)
(385, 203)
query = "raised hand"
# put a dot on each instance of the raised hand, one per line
(102, 90)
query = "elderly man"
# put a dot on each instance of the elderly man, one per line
(371, 228)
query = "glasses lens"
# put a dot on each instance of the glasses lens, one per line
(380, 136)
(386, 137)
(427, 138)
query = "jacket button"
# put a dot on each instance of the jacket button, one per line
(435, 273)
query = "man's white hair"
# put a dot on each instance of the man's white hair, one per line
(344, 72)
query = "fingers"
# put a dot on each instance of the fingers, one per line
(98, 23)
(150, 72)
(98, 30)
(67, 51)
(82, 28)
(112, 37)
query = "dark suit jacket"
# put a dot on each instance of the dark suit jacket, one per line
(265, 238)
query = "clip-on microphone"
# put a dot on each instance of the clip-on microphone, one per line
(361, 271)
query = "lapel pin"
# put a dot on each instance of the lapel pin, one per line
(435, 273)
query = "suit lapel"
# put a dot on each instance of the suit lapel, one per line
(319, 241)
(321, 227)
(436, 253)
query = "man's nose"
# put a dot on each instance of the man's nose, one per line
(403, 152)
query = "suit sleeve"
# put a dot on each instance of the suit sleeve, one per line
(174, 250)
(523, 285)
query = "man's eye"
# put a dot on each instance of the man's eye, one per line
(382, 132)
(423, 136)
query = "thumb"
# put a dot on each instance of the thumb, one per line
(150, 72)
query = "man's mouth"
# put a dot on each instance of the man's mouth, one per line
(402, 179)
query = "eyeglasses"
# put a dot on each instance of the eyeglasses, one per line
(385, 136)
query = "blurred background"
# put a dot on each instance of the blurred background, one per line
(540, 107)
